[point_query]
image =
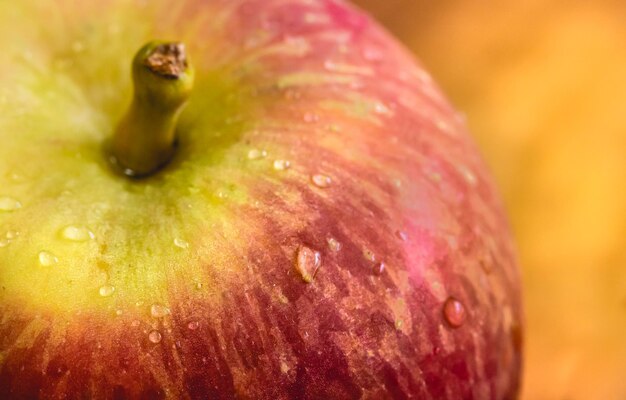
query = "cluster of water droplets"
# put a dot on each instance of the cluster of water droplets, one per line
(319, 180)
(308, 261)
(47, 259)
(82, 234)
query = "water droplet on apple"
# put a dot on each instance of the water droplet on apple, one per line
(402, 235)
(256, 154)
(178, 242)
(106, 290)
(333, 244)
(159, 310)
(308, 262)
(369, 255)
(119, 312)
(330, 65)
(193, 325)
(129, 172)
(155, 337)
(398, 324)
(77, 234)
(9, 204)
(321, 181)
(281, 165)
(47, 259)
(135, 323)
(382, 109)
(8, 239)
(379, 268)
(454, 312)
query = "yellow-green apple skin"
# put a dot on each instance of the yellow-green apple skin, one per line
(326, 229)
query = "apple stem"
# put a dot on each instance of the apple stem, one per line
(145, 139)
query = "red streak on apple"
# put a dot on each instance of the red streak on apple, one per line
(392, 277)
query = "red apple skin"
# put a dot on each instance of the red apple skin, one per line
(441, 320)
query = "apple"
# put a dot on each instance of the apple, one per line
(277, 203)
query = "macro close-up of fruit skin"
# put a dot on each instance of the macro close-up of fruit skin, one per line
(542, 84)
(324, 227)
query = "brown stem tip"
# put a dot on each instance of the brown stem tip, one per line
(168, 60)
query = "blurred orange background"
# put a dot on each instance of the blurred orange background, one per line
(543, 85)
